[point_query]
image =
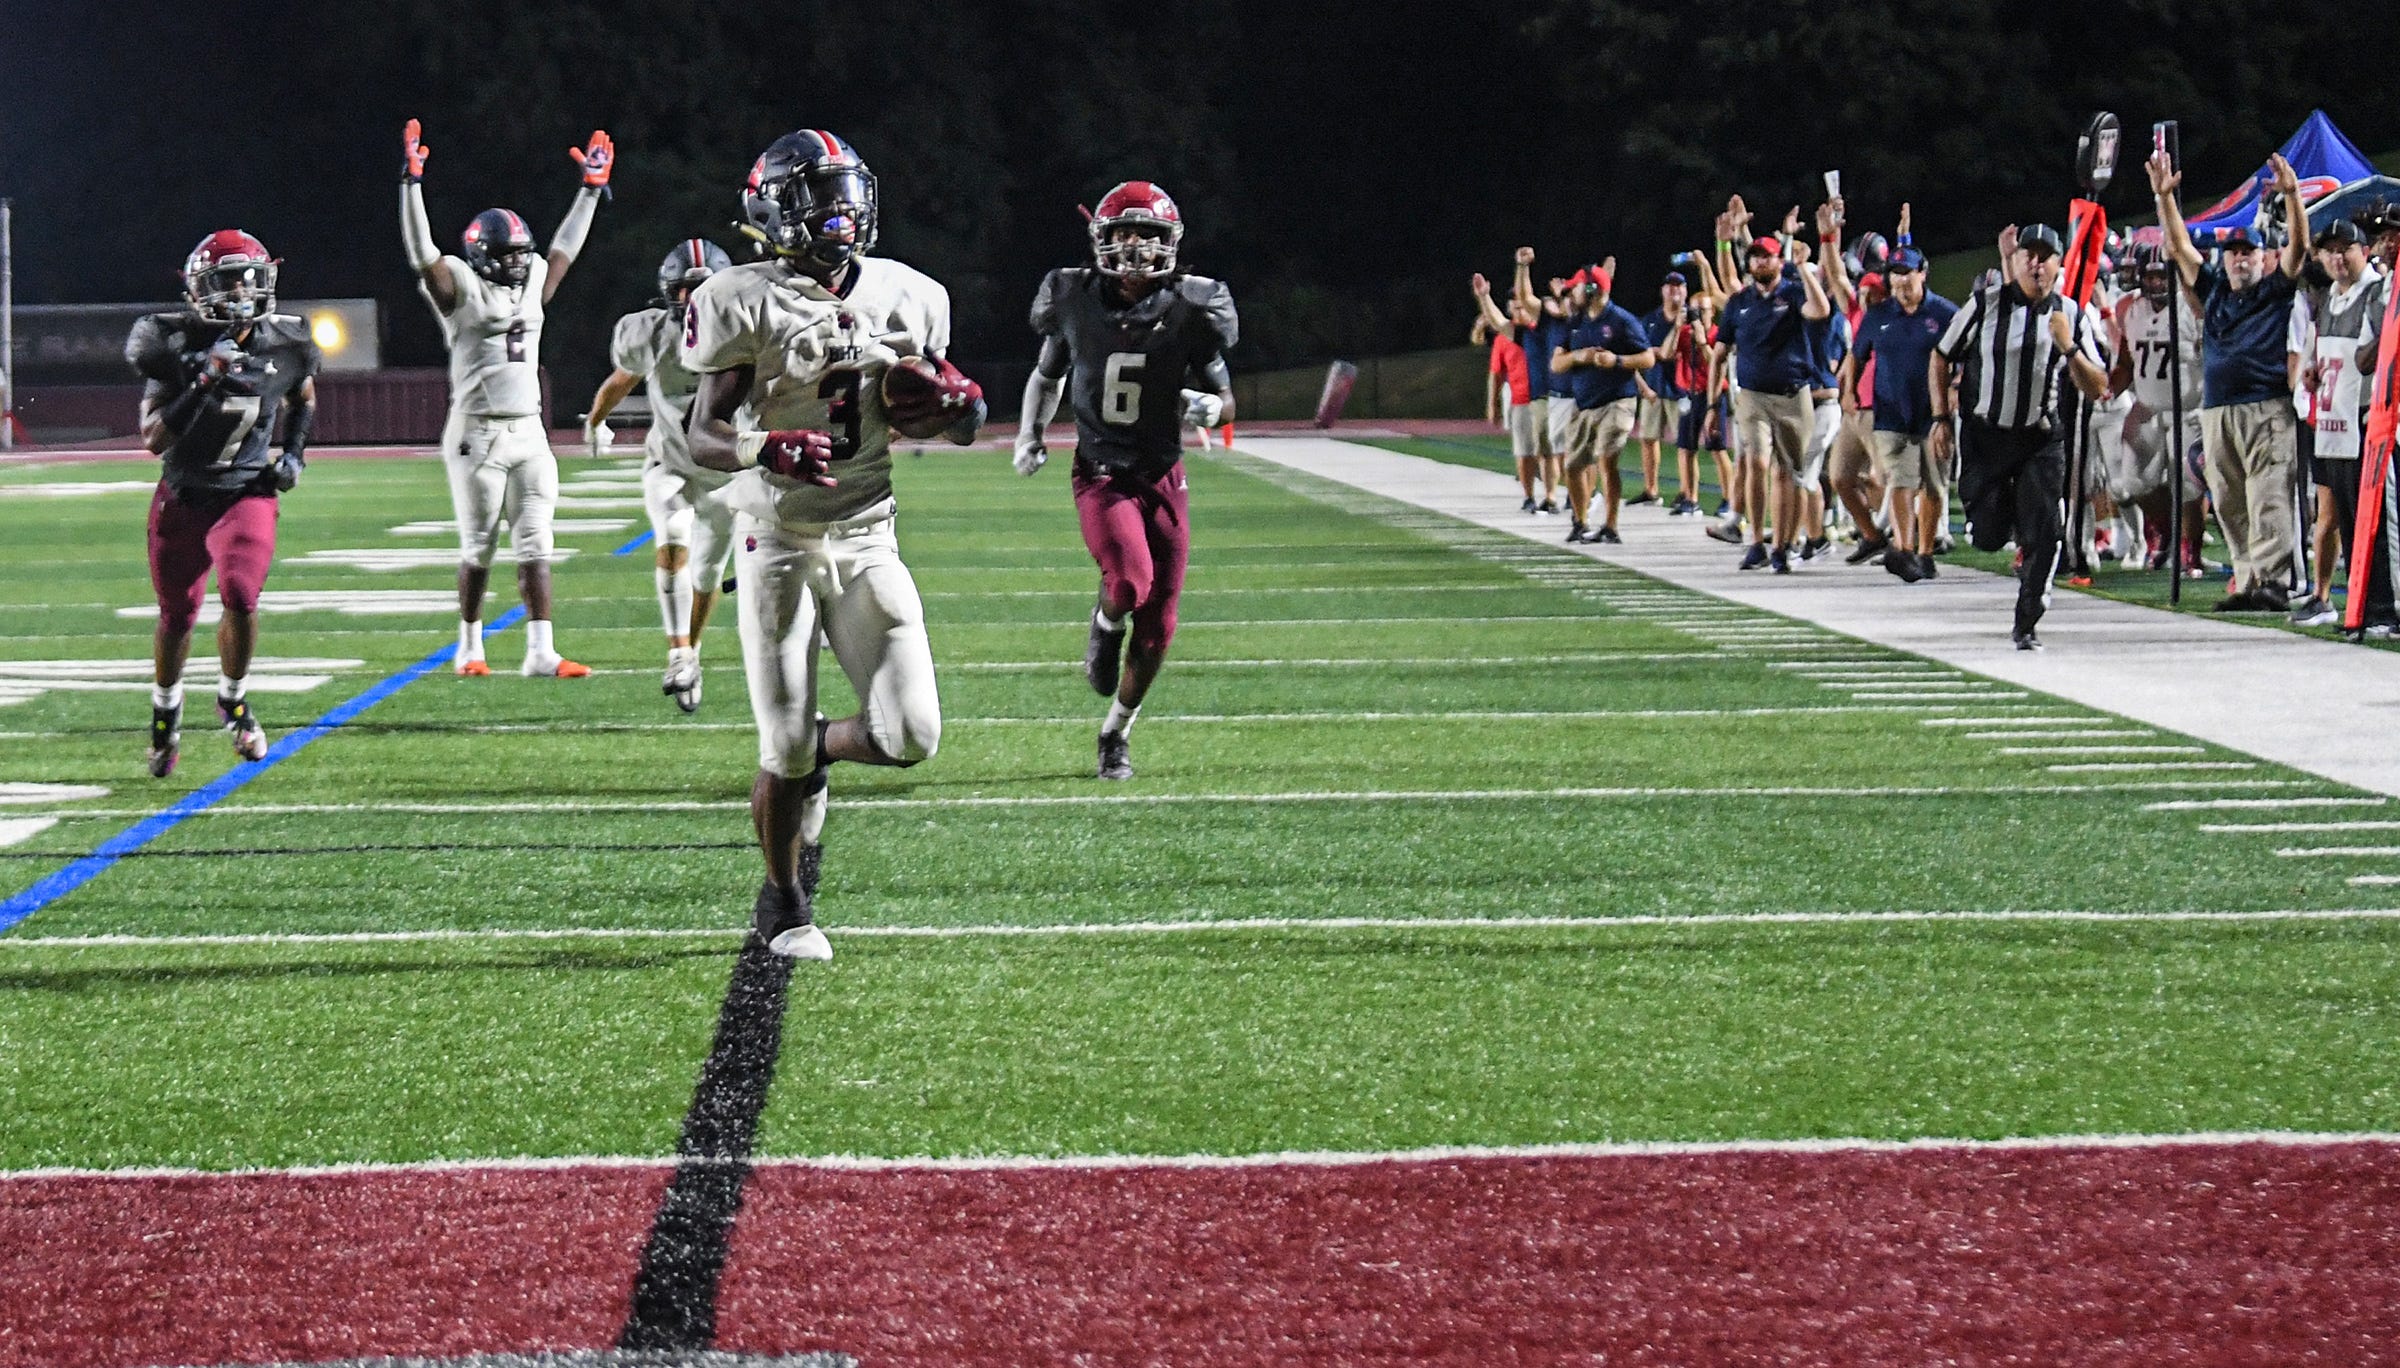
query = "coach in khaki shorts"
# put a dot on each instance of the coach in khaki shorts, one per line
(1897, 336)
(1762, 336)
(1606, 349)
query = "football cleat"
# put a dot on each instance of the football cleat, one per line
(1755, 557)
(682, 681)
(1607, 536)
(166, 740)
(473, 669)
(1116, 755)
(2026, 641)
(249, 738)
(1103, 655)
(781, 921)
(553, 667)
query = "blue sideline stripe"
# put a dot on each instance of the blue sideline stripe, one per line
(632, 546)
(58, 885)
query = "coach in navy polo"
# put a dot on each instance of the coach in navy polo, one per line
(1763, 330)
(1899, 335)
(2248, 435)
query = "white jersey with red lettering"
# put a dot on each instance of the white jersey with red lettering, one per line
(2146, 346)
(818, 358)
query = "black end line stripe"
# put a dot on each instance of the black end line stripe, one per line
(675, 1292)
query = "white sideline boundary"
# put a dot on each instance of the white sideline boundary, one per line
(1205, 926)
(1431, 1154)
(2156, 667)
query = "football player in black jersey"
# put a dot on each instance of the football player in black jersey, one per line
(217, 375)
(1140, 347)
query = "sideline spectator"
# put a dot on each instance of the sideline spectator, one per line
(2247, 430)
(1662, 399)
(1896, 340)
(1508, 362)
(1852, 469)
(1605, 351)
(1762, 334)
(2349, 328)
(2017, 341)
(1556, 310)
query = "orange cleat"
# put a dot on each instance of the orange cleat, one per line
(568, 669)
(474, 668)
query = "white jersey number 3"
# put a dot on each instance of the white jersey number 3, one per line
(1121, 398)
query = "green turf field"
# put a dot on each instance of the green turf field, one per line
(1501, 833)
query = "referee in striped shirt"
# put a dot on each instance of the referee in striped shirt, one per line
(2012, 349)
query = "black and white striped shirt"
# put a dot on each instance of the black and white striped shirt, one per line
(2011, 368)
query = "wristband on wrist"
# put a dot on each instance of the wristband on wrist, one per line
(746, 448)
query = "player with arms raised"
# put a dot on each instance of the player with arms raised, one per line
(808, 362)
(215, 377)
(1141, 346)
(689, 518)
(489, 302)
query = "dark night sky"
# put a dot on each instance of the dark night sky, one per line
(1344, 166)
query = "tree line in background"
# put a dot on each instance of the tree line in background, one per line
(1345, 168)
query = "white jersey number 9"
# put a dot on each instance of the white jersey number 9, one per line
(1120, 398)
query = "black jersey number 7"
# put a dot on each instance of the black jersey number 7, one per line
(840, 390)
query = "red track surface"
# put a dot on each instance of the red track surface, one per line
(2231, 1254)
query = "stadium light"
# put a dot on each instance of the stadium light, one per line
(326, 330)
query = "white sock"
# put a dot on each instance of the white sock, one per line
(1120, 719)
(230, 688)
(1106, 623)
(675, 600)
(537, 638)
(167, 695)
(812, 816)
(470, 639)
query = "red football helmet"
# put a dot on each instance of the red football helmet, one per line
(1134, 232)
(230, 277)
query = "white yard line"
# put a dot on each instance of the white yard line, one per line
(2242, 828)
(2375, 880)
(2214, 804)
(2338, 852)
(2103, 750)
(2097, 735)
(2113, 765)
(1446, 1155)
(1511, 795)
(1216, 925)
(2025, 721)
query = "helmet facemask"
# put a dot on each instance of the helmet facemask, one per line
(1135, 246)
(824, 213)
(234, 292)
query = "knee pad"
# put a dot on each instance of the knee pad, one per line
(478, 548)
(533, 540)
(675, 529)
(239, 595)
(907, 740)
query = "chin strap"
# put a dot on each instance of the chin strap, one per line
(416, 235)
(568, 240)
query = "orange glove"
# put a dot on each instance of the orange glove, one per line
(412, 152)
(597, 158)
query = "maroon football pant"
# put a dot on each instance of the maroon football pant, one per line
(189, 535)
(1141, 534)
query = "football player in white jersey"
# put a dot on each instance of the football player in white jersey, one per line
(808, 362)
(489, 302)
(2145, 365)
(690, 521)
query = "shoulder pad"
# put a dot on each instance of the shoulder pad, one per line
(1055, 287)
(1214, 299)
(155, 346)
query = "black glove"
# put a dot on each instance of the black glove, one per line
(287, 471)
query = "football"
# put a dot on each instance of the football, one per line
(918, 391)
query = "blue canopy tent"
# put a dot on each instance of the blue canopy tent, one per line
(2352, 200)
(2326, 162)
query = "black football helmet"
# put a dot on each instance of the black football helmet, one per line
(810, 199)
(499, 247)
(692, 261)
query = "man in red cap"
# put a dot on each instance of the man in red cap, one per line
(1606, 351)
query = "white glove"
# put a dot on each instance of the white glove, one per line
(1030, 457)
(1202, 409)
(597, 439)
